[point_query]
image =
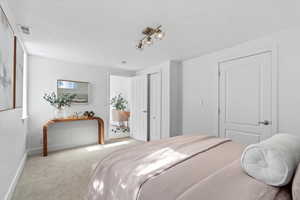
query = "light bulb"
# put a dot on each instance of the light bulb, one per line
(149, 41)
(159, 35)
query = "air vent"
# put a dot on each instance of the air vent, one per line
(25, 30)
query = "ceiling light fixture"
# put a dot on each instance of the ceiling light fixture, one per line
(150, 35)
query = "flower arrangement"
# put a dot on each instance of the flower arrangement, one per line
(119, 102)
(59, 102)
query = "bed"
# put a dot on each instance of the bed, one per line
(181, 168)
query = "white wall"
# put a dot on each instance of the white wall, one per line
(175, 98)
(12, 147)
(200, 84)
(12, 135)
(43, 74)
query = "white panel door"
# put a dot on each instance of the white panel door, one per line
(155, 106)
(246, 98)
(139, 112)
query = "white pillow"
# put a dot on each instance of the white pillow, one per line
(274, 160)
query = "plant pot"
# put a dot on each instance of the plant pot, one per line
(120, 115)
(59, 113)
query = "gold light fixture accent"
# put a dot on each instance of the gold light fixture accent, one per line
(150, 35)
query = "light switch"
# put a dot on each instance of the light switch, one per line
(201, 102)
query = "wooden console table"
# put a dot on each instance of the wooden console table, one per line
(45, 130)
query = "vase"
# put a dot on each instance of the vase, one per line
(60, 113)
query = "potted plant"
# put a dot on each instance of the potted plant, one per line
(119, 105)
(59, 103)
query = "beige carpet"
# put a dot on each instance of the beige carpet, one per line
(63, 175)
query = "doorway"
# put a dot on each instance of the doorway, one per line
(120, 104)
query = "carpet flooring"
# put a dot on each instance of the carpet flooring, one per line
(63, 175)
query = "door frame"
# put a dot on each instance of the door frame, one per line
(107, 121)
(107, 115)
(247, 51)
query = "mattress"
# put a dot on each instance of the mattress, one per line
(181, 168)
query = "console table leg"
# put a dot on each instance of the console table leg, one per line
(100, 132)
(45, 142)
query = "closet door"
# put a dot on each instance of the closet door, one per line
(155, 106)
(246, 98)
(139, 108)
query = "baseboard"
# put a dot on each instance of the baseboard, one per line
(35, 151)
(52, 148)
(14, 182)
(39, 150)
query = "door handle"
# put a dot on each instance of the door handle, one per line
(144, 111)
(266, 123)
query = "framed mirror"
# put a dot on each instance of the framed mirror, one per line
(81, 89)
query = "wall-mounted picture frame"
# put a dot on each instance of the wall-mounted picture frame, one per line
(6, 63)
(18, 74)
(79, 88)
